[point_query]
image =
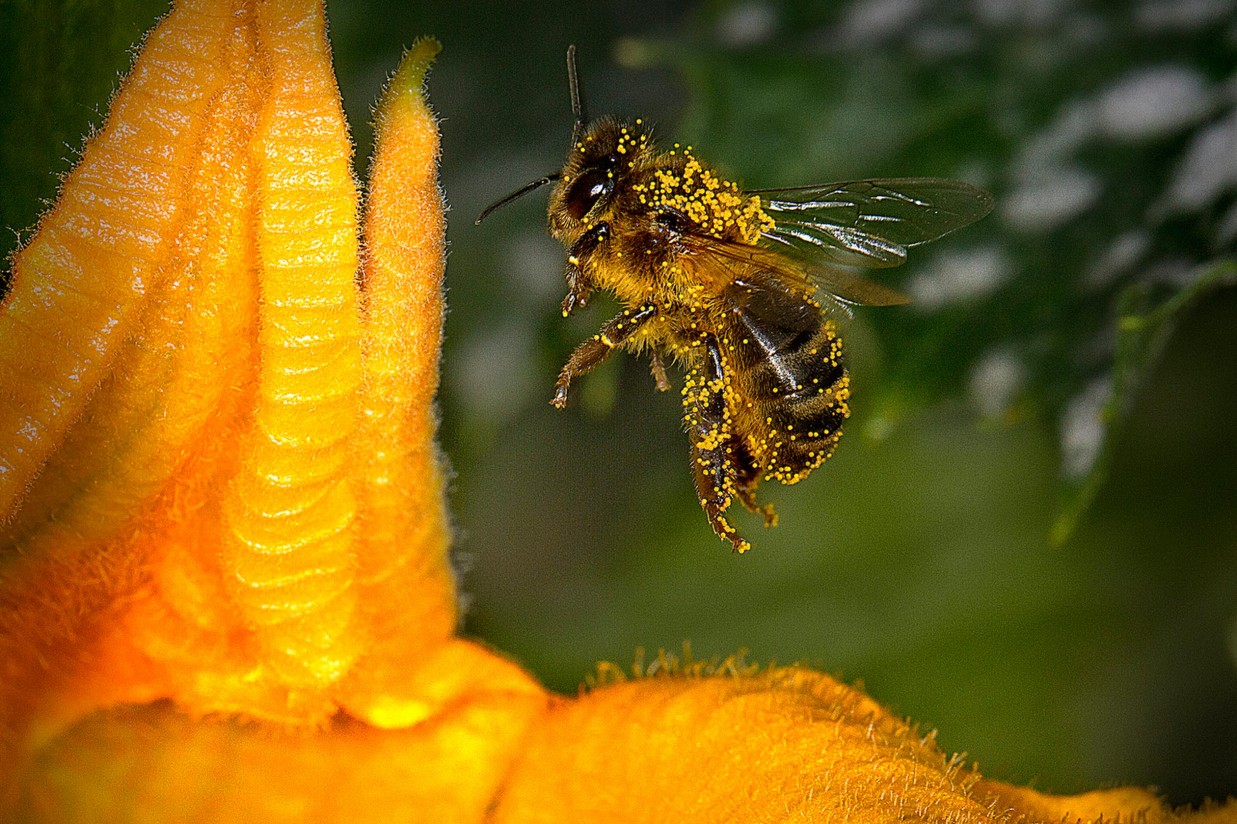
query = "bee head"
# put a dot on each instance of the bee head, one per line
(604, 152)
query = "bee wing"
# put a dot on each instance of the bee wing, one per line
(869, 223)
(721, 261)
(768, 308)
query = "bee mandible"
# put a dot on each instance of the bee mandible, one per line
(740, 288)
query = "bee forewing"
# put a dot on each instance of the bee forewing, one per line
(870, 223)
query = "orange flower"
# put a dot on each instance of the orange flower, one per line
(224, 589)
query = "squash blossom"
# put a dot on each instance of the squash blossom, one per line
(224, 584)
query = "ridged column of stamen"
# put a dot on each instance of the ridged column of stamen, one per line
(291, 510)
(79, 282)
(405, 579)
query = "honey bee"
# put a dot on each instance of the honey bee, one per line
(741, 288)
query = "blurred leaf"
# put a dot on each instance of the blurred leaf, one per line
(1143, 330)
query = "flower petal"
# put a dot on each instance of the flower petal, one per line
(155, 764)
(403, 519)
(79, 284)
(788, 744)
(244, 500)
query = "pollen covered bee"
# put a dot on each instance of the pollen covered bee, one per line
(738, 287)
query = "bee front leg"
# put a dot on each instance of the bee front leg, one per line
(713, 444)
(579, 285)
(592, 352)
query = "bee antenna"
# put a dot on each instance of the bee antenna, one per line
(577, 102)
(518, 193)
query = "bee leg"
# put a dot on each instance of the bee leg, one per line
(713, 465)
(579, 285)
(747, 476)
(579, 288)
(710, 467)
(658, 368)
(590, 354)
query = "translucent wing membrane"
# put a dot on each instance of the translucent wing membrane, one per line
(869, 223)
(720, 261)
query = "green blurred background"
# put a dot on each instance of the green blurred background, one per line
(1028, 538)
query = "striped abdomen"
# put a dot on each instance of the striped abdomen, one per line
(794, 386)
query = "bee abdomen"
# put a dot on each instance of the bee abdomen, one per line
(806, 396)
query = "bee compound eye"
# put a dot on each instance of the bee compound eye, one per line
(587, 189)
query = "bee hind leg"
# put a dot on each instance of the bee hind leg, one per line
(713, 446)
(747, 476)
(714, 476)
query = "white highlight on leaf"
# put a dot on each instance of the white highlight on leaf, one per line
(1166, 15)
(1153, 102)
(873, 21)
(1119, 258)
(747, 24)
(1226, 234)
(957, 275)
(1034, 13)
(1073, 125)
(1178, 272)
(942, 40)
(995, 382)
(1082, 428)
(1208, 169)
(1042, 202)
